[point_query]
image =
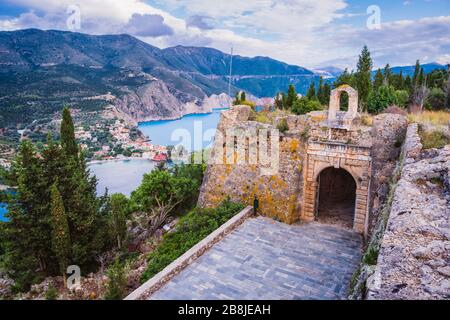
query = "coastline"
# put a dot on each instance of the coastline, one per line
(117, 159)
(180, 117)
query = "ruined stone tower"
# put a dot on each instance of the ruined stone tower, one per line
(328, 165)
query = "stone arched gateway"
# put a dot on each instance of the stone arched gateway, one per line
(356, 160)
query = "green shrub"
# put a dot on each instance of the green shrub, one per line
(51, 294)
(371, 255)
(433, 139)
(305, 105)
(190, 230)
(436, 99)
(117, 281)
(402, 98)
(283, 126)
(262, 117)
(381, 99)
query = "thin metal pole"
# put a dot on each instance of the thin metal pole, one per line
(231, 72)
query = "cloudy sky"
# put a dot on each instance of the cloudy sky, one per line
(310, 33)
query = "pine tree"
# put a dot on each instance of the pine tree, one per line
(326, 94)
(363, 77)
(400, 83)
(68, 142)
(311, 94)
(447, 91)
(60, 231)
(284, 101)
(118, 220)
(408, 83)
(27, 232)
(421, 78)
(321, 95)
(291, 96)
(345, 78)
(378, 81)
(78, 191)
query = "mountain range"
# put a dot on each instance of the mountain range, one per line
(41, 70)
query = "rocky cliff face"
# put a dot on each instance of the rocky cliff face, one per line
(43, 70)
(151, 101)
(414, 257)
(156, 101)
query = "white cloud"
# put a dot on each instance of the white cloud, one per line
(305, 32)
(443, 59)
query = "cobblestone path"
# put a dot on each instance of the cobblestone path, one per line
(265, 259)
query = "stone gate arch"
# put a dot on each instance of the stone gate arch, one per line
(336, 196)
(356, 160)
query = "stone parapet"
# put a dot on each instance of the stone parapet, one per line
(160, 279)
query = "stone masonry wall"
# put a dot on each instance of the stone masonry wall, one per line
(413, 261)
(289, 195)
(278, 194)
(388, 134)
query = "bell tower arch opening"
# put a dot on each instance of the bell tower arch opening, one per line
(336, 197)
(343, 101)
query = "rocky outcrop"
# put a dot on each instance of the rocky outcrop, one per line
(414, 258)
(156, 101)
(388, 134)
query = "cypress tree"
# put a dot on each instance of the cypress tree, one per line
(400, 82)
(321, 92)
(311, 94)
(415, 78)
(78, 191)
(363, 77)
(326, 93)
(68, 141)
(60, 231)
(421, 78)
(27, 237)
(291, 96)
(408, 83)
(378, 81)
(118, 220)
(284, 101)
(243, 97)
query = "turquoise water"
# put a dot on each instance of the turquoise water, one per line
(194, 132)
(120, 176)
(3, 210)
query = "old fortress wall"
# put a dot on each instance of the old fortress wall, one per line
(287, 181)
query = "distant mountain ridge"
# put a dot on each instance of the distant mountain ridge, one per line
(40, 70)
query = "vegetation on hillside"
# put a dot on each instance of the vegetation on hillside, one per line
(385, 89)
(191, 229)
(68, 224)
(241, 99)
(56, 203)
